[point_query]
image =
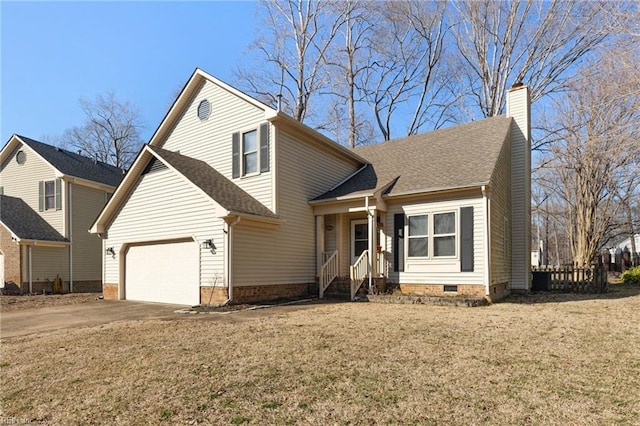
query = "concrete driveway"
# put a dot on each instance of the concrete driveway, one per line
(29, 321)
(41, 320)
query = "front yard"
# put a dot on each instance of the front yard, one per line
(562, 360)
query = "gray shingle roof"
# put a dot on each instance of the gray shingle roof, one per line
(454, 157)
(24, 222)
(76, 165)
(214, 184)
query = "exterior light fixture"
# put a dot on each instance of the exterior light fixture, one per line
(209, 244)
(111, 251)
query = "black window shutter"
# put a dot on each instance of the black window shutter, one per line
(466, 239)
(41, 196)
(264, 147)
(398, 242)
(58, 194)
(235, 145)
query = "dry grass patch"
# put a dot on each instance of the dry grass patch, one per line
(572, 362)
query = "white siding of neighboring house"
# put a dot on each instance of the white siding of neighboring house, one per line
(287, 255)
(47, 262)
(165, 206)
(438, 271)
(86, 203)
(210, 140)
(22, 181)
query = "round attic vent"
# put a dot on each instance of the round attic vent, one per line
(21, 157)
(204, 109)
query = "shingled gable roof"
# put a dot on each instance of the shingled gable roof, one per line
(456, 157)
(76, 165)
(214, 184)
(25, 223)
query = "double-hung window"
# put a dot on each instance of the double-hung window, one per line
(435, 238)
(49, 195)
(444, 234)
(418, 236)
(250, 152)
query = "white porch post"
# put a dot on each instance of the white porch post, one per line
(372, 244)
(319, 243)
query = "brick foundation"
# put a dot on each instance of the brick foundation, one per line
(466, 290)
(499, 291)
(110, 291)
(213, 295)
(262, 293)
(38, 287)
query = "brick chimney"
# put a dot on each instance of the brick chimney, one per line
(519, 108)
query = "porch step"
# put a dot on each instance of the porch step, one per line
(337, 296)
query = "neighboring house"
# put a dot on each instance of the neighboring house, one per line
(233, 200)
(49, 199)
(625, 245)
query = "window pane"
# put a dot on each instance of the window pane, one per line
(50, 195)
(249, 142)
(418, 225)
(251, 163)
(360, 231)
(444, 246)
(444, 223)
(359, 247)
(418, 247)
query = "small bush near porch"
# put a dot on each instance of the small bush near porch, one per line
(550, 359)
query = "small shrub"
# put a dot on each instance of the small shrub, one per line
(631, 276)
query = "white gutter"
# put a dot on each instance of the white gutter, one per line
(30, 272)
(229, 255)
(487, 230)
(70, 212)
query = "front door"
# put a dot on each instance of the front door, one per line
(359, 238)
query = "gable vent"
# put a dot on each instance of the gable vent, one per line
(154, 166)
(204, 109)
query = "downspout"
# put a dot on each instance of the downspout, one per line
(486, 218)
(30, 271)
(369, 243)
(229, 250)
(69, 212)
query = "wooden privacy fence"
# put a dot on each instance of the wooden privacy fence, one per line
(570, 278)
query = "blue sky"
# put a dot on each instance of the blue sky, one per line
(54, 53)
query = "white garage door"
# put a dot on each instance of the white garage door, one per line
(165, 273)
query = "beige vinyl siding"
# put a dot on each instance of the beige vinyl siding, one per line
(21, 181)
(438, 271)
(86, 203)
(288, 253)
(48, 262)
(518, 108)
(210, 140)
(500, 196)
(163, 206)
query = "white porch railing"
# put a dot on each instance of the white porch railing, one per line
(328, 272)
(358, 272)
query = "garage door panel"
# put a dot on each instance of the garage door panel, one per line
(165, 273)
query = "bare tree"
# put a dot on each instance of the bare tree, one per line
(297, 34)
(110, 133)
(406, 74)
(500, 43)
(595, 161)
(345, 65)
